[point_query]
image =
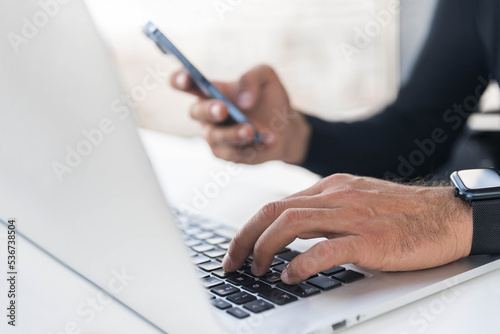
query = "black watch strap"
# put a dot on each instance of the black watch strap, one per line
(486, 227)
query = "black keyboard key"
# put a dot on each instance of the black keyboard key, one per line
(202, 248)
(240, 279)
(280, 267)
(210, 282)
(283, 250)
(248, 271)
(301, 289)
(210, 266)
(277, 296)
(272, 278)
(221, 304)
(199, 259)
(258, 306)
(288, 256)
(276, 262)
(241, 298)
(333, 270)
(256, 286)
(238, 313)
(324, 283)
(225, 290)
(348, 276)
(223, 274)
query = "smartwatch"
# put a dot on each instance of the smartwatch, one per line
(481, 189)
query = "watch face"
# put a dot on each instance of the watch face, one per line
(476, 179)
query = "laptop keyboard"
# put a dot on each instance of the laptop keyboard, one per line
(241, 293)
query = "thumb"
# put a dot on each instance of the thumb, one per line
(250, 85)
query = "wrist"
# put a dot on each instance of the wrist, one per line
(461, 221)
(299, 133)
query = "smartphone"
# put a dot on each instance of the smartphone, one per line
(235, 115)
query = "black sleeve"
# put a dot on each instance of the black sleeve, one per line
(415, 134)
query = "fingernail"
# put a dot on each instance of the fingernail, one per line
(255, 269)
(181, 80)
(245, 100)
(216, 111)
(284, 275)
(226, 262)
(243, 133)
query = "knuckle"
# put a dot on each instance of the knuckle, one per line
(324, 250)
(349, 192)
(271, 209)
(291, 216)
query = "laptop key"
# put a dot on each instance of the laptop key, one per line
(258, 306)
(221, 273)
(276, 262)
(204, 235)
(238, 313)
(215, 253)
(333, 270)
(224, 245)
(324, 283)
(288, 256)
(348, 276)
(277, 296)
(225, 290)
(280, 267)
(283, 250)
(272, 278)
(301, 289)
(202, 248)
(240, 279)
(256, 286)
(248, 271)
(210, 266)
(241, 298)
(199, 259)
(191, 253)
(210, 282)
(192, 242)
(221, 304)
(216, 240)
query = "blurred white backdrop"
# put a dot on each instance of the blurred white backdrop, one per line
(337, 58)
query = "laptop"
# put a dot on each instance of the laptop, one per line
(79, 183)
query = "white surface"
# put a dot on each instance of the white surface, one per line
(49, 294)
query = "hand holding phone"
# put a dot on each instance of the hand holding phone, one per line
(235, 115)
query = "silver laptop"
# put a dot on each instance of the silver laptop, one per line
(76, 177)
